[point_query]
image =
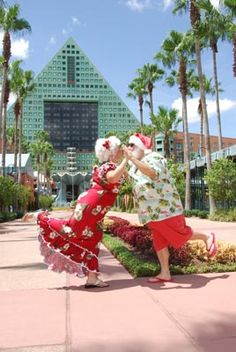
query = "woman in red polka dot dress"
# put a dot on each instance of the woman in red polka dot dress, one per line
(68, 245)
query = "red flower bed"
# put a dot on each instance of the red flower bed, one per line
(138, 237)
(181, 256)
(141, 239)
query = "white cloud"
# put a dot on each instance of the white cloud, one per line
(64, 31)
(19, 47)
(192, 104)
(76, 21)
(138, 5)
(52, 41)
(69, 27)
(167, 3)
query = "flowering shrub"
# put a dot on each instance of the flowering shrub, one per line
(194, 252)
(181, 256)
(137, 236)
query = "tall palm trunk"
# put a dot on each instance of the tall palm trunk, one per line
(17, 111)
(184, 90)
(6, 57)
(4, 126)
(195, 20)
(186, 154)
(205, 116)
(214, 51)
(4, 80)
(20, 143)
(150, 89)
(234, 54)
(140, 100)
(4, 142)
(167, 146)
(38, 172)
(199, 110)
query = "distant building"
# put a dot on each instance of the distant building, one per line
(177, 145)
(75, 105)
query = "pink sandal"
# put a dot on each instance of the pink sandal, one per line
(212, 249)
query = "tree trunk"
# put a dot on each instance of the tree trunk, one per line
(4, 82)
(141, 112)
(205, 117)
(38, 168)
(167, 146)
(186, 154)
(16, 146)
(220, 143)
(4, 142)
(20, 143)
(150, 89)
(201, 127)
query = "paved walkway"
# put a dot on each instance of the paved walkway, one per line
(41, 311)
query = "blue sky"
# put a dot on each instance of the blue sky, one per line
(120, 36)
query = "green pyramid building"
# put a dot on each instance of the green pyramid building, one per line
(76, 105)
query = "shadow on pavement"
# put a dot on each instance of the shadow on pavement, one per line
(31, 266)
(23, 240)
(194, 282)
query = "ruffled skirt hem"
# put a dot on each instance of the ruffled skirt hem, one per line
(58, 262)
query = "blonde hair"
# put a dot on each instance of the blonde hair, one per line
(106, 147)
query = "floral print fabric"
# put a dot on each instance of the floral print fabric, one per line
(157, 198)
(75, 242)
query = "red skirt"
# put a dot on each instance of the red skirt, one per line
(171, 232)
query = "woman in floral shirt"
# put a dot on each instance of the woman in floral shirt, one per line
(68, 245)
(159, 204)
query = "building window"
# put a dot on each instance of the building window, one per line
(69, 126)
(71, 70)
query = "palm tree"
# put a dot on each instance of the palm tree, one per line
(16, 76)
(9, 23)
(209, 89)
(38, 149)
(166, 121)
(230, 7)
(149, 74)
(47, 161)
(26, 88)
(4, 125)
(176, 49)
(138, 90)
(212, 28)
(195, 18)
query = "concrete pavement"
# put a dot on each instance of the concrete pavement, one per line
(44, 311)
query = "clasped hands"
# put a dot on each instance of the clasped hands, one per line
(127, 153)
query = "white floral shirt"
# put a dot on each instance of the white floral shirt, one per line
(158, 198)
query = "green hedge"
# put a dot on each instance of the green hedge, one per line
(224, 215)
(140, 266)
